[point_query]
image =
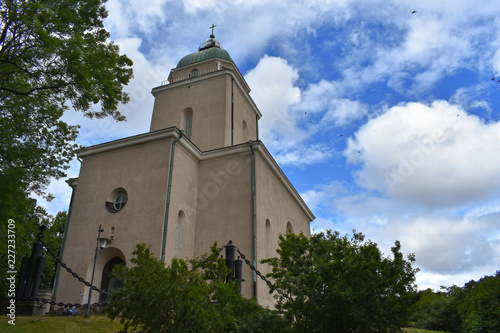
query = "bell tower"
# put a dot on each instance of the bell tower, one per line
(207, 97)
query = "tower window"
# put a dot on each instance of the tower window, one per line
(186, 122)
(189, 125)
(193, 73)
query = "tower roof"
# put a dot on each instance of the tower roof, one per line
(211, 48)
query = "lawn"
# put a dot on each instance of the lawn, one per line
(61, 324)
(419, 330)
(95, 323)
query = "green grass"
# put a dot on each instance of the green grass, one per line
(419, 330)
(61, 324)
(95, 323)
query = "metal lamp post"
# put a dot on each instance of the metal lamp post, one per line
(98, 250)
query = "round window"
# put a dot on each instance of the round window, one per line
(116, 200)
(120, 201)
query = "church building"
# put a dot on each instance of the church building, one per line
(200, 175)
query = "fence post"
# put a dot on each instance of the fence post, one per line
(230, 250)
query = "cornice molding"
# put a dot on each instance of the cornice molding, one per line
(170, 132)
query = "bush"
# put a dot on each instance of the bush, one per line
(185, 297)
(330, 283)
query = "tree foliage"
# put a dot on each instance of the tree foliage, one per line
(330, 283)
(185, 297)
(52, 52)
(473, 308)
(479, 307)
(436, 311)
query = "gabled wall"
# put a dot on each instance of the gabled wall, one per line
(142, 170)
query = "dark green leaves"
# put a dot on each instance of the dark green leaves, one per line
(336, 284)
(53, 53)
(473, 308)
(185, 297)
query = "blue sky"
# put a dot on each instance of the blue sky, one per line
(386, 120)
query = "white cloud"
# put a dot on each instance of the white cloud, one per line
(147, 75)
(124, 16)
(430, 280)
(433, 155)
(324, 194)
(193, 6)
(446, 245)
(342, 111)
(449, 250)
(437, 41)
(61, 190)
(303, 155)
(274, 92)
(472, 97)
(324, 99)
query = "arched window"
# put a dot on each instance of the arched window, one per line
(179, 240)
(189, 125)
(108, 282)
(289, 229)
(245, 131)
(187, 122)
(269, 239)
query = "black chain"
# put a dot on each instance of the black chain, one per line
(76, 305)
(252, 267)
(73, 273)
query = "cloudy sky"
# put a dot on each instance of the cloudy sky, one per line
(383, 114)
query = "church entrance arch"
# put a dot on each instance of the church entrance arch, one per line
(108, 282)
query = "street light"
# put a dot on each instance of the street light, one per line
(101, 243)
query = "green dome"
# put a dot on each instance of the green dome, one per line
(208, 50)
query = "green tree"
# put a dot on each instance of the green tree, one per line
(185, 297)
(437, 310)
(479, 308)
(330, 283)
(473, 308)
(52, 52)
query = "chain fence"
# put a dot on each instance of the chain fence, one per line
(79, 278)
(107, 294)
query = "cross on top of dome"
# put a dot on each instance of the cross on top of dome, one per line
(212, 27)
(210, 42)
